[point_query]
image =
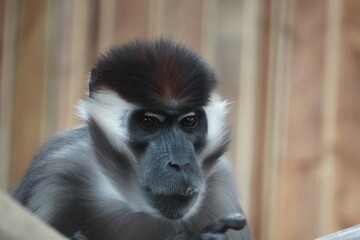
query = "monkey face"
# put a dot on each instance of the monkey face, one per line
(156, 113)
(166, 144)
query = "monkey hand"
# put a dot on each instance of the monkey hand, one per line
(215, 230)
(78, 236)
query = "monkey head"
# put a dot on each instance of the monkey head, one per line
(155, 104)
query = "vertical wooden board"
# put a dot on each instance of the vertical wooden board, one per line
(60, 25)
(223, 49)
(132, 20)
(70, 51)
(247, 101)
(93, 23)
(57, 62)
(181, 20)
(79, 58)
(8, 49)
(326, 172)
(209, 33)
(228, 44)
(298, 180)
(257, 193)
(230, 36)
(106, 33)
(347, 195)
(276, 106)
(2, 35)
(4, 120)
(30, 85)
(73, 61)
(227, 52)
(222, 44)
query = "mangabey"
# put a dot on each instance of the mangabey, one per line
(148, 163)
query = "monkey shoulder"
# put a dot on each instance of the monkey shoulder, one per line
(66, 152)
(48, 169)
(64, 146)
(66, 141)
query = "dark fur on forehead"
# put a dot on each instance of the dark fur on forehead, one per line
(154, 74)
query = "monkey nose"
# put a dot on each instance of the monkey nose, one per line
(188, 191)
(174, 166)
(178, 166)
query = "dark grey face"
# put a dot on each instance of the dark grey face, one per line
(166, 144)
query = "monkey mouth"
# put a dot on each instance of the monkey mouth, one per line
(173, 206)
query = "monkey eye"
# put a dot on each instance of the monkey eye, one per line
(147, 122)
(151, 120)
(189, 120)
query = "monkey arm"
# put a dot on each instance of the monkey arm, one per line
(215, 230)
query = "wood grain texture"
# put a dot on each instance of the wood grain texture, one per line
(246, 128)
(275, 118)
(181, 21)
(347, 196)
(75, 49)
(131, 20)
(17, 223)
(107, 26)
(257, 181)
(331, 80)
(298, 179)
(29, 86)
(8, 46)
(2, 33)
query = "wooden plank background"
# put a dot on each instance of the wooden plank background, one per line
(290, 67)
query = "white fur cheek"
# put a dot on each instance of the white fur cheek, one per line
(111, 113)
(216, 112)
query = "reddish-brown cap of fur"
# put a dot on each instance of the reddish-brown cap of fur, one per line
(154, 74)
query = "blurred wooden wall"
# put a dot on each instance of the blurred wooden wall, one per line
(291, 67)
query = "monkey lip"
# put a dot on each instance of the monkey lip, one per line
(186, 191)
(185, 195)
(173, 205)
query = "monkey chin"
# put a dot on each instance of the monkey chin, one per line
(173, 206)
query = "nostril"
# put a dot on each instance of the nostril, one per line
(188, 190)
(174, 166)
